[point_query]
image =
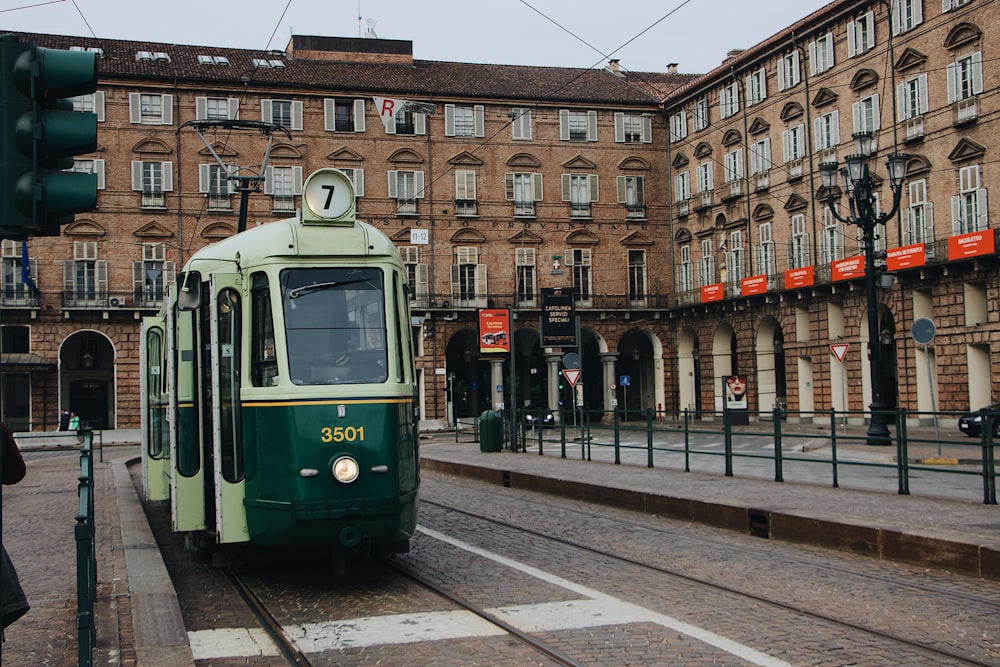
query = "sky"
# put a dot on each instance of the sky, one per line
(644, 35)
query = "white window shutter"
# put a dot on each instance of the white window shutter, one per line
(977, 72)
(418, 185)
(782, 83)
(982, 212)
(265, 111)
(835, 122)
(296, 180)
(852, 39)
(956, 215)
(167, 117)
(359, 182)
(99, 169)
(233, 111)
(813, 52)
(392, 185)
(508, 186)
(647, 128)
(329, 115)
(102, 275)
(419, 124)
(856, 115)
(591, 126)
(876, 114)
(592, 187)
(897, 16)
(456, 289)
(621, 183)
(460, 185)
(536, 186)
(297, 115)
(786, 146)
(134, 108)
(449, 120)
(359, 115)
(200, 107)
(902, 102)
(137, 175)
(564, 124)
(479, 120)
(269, 181)
(167, 171)
(204, 177)
(566, 190)
(619, 127)
(923, 102)
(99, 105)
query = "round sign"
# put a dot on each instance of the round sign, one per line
(923, 330)
(571, 360)
(328, 194)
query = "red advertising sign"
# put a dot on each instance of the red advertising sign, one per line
(905, 257)
(712, 293)
(845, 269)
(972, 244)
(753, 285)
(494, 331)
(800, 277)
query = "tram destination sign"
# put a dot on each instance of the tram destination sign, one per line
(558, 317)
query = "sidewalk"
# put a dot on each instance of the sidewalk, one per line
(138, 620)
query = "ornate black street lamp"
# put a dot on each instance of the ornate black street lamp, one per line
(859, 184)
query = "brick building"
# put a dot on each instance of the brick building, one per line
(687, 212)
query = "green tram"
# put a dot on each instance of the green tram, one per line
(279, 387)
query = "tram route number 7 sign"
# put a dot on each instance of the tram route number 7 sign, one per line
(840, 351)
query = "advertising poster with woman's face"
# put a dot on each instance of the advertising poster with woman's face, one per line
(736, 392)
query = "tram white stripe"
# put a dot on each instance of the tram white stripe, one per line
(230, 642)
(701, 634)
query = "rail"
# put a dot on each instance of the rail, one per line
(668, 439)
(86, 555)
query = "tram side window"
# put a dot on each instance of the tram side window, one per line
(263, 363)
(229, 384)
(156, 422)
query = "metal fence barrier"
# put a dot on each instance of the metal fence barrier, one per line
(670, 435)
(86, 554)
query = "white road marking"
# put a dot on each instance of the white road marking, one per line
(230, 642)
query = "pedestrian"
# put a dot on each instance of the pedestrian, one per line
(74, 422)
(64, 420)
(13, 603)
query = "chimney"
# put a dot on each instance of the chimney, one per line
(613, 65)
(671, 68)
(732, 54)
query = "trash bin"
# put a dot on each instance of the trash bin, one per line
(490, 431)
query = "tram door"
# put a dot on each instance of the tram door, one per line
(153, 396)
(225, 324)
(187, 480)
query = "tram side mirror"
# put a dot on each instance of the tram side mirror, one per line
(189, 290)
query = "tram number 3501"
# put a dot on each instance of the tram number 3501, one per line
(343, 434)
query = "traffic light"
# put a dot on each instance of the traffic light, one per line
(41, 135)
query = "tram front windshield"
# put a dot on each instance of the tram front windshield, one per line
(334, 325)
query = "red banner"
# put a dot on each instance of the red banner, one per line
(801, 277)
(753, 285)
(906, 257)
(972, 244)
(845, 269)
(494, 331)
(712, 293)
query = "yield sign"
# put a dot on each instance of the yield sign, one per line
(572, 375)
(840, 351)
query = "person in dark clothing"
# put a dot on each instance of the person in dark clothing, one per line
(64, 420)
(13, 603)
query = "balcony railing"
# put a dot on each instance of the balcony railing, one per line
(966, 111)
(635, 211)
(914, 128)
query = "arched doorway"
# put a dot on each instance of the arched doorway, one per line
(86, 380)
(771, 384)
(689, 372)
(468, 375)
(724, 361)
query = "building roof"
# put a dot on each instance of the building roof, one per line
(394, 74)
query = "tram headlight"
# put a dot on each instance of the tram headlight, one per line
(345, 469)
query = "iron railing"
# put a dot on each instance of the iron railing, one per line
(86, 554)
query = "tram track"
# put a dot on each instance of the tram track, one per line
(856, 627)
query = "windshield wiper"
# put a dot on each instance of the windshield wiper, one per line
(316, 287)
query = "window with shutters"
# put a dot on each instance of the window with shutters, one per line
(149, 109)
(918, 216)
(464, 121)
(152, 276)
(287, 113)
(756, 87)
(821, 54)
(634, 128)
(343, 114)
(706, 176)
(85, 277)
(214, 183)
(907, 15)
(732, 164)
(706, 264)
(678, 126)
(736, 258)
(637, 277)
(767, 261)
(827, 132)
(968, 207)
(699, 113)
(831, 246)
(682, 186)
(861, 35)
(789, 74)
(468, 279)
(912, 104)
(867, 116)
(152, 179)
(520, 124)
(760, 156)
(92, 102)
(798, 245)
(216, 108)
(948, 5)
(729, 100)
(416, 275)
(16, 290)
(580, 190)
(465, 193)
(408, 122)
(793, 149)
(579, 259)
(631, 193)
(407, 188)
(283, 184)
(575, 125)
(685, 270)
(524, 189)
(524, 259)
(357, 177)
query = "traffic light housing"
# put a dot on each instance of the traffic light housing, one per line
(41, 136)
